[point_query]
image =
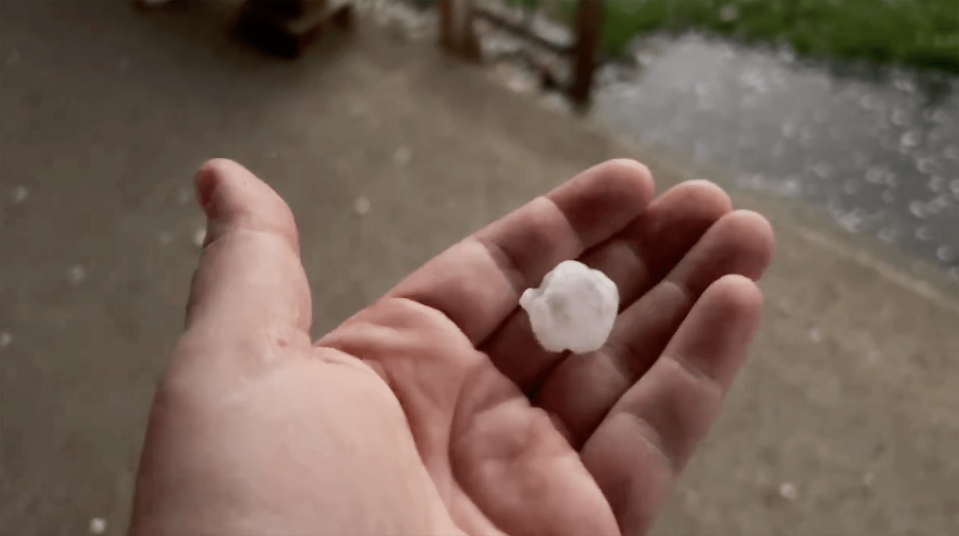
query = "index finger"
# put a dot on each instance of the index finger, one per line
(478, 281)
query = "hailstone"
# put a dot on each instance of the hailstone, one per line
(573, 309)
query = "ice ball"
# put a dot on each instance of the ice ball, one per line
(573, 309)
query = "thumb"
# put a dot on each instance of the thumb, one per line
(249, 278)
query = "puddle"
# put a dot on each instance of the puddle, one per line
(879, 147)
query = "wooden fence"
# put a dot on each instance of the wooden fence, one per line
(458, 37)
(287, 26)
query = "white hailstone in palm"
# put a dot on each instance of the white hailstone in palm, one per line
(574, 308)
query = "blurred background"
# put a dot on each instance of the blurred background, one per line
(837, 119)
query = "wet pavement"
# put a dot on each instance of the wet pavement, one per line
(879, 147)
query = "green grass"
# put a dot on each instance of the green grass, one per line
(922, 33)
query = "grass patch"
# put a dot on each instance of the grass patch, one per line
(923, 33)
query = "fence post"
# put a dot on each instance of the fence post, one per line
(589, 25)
(456, 29)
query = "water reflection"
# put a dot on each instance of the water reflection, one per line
(878, 146)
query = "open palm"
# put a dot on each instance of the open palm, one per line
(434, 411)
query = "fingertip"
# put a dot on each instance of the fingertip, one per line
(224, 186)
(732, 308)
(631, 176)
(205, 181)
(735, 293)
(628, 165)
(697, 204)
(704, 193)
(763, 233)
(622, 179)
(758, 224)
(232, 198)
(753, 231)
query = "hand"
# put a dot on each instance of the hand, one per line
(434, 411)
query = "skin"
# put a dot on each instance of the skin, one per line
(433, 410)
